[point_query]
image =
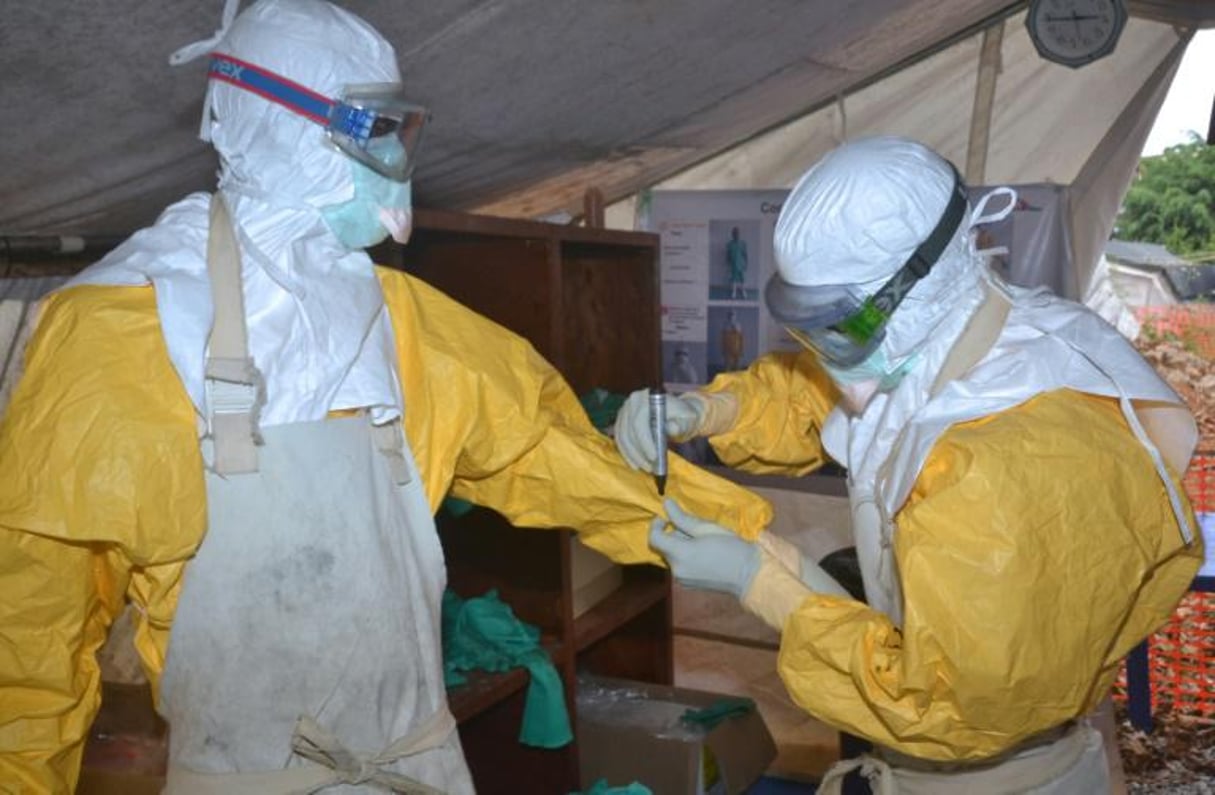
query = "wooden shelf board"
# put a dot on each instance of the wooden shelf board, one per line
(484, 689)
(429, 219)
(627, 602)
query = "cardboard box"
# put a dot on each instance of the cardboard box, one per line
(631, 731)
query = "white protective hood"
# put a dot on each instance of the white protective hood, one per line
(856, 217)
(318, 330)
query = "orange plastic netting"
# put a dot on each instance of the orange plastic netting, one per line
(1181, 655)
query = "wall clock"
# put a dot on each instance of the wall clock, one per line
(1075, 32)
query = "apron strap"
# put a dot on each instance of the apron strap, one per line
(980, 333)
(317, 745)
(333, 764)
(879, 774)
(389, 440)
(235, 389)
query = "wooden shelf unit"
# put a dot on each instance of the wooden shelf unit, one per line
(588, 301)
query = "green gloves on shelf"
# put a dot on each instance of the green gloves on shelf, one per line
(718, 711)
(483, 634)
(601, 787)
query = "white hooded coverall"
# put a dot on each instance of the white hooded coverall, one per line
(288, 617)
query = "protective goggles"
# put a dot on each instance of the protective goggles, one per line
(841, 324)
(371, 123)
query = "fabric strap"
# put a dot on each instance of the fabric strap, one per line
(235, 388)
(333, 764)
(390, 442)
(980, 333)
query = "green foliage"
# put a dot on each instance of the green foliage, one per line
(1172, 201)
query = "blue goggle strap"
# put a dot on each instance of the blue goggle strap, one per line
(336, 117)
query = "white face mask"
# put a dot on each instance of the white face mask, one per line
(398, 221)
(856, 396)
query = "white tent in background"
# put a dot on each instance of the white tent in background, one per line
(1004, 115)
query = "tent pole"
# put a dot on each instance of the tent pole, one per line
(985, 95)
(27, 248)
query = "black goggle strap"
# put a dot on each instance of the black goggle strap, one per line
(878, 308)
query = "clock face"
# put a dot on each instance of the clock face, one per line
(1075, 32)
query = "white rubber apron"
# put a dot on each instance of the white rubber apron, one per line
(1073, 764)
(305, 652)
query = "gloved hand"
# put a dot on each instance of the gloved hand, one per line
(812, 575)
(634, 438)
(704, 555)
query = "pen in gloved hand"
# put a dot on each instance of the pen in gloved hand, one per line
(658, 426)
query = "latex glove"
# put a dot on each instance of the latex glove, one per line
(785, 580)
(704, 555)
(811, 574)
(635, 440)
(779, 549)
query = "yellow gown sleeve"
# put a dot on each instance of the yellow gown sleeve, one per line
(490, 419)
(783, 399)
(99, 442)
(1037, 548)
(100, 483)
(154, 591)
(59, 601)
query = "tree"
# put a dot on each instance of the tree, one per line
(1172, 200)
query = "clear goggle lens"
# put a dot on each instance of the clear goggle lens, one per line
(378, 128)
(834, 346)
(836, 322)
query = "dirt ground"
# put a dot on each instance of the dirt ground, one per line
(1178, 757)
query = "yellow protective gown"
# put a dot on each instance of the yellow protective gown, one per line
(1037, 547)
(102, 494)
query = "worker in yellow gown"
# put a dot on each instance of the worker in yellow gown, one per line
(238, 424)
(1013, 471)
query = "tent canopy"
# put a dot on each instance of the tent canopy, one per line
(1004, 115)
(533, 101)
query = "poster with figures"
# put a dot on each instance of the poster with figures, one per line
(716, 257)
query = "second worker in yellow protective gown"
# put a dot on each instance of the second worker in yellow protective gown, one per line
(1013, 470)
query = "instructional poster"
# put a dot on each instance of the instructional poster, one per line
(716, 257)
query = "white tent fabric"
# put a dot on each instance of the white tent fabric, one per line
(1050, 124)
(1103, 298)
(1096, 192)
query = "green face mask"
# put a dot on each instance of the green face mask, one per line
(875, 368)
(357, 222)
